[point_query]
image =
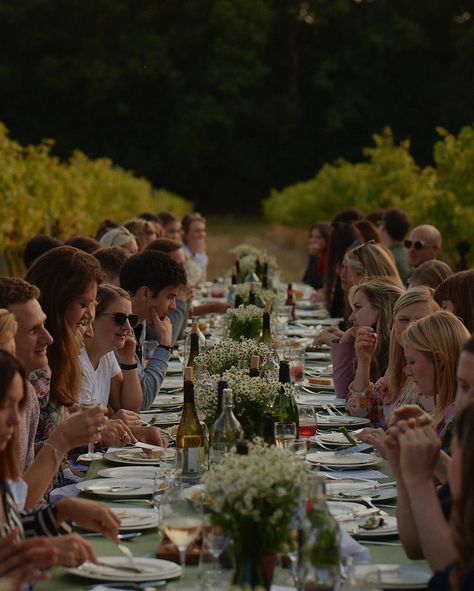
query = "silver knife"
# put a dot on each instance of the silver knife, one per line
(360, 447)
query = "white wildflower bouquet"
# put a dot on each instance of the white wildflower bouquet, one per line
(248, 255)
(263, 296)
(264, 486)
(252, 398)
(245, 322)
(227, 353)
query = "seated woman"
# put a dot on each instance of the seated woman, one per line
(372, 305)
(143, 230)
(318, 242)
(456, 294)
(430, 273)
(122, 238)
(432, 346)
(194, 247)
(422, 510)
(394, 388)
(103, 379)
(69, 549)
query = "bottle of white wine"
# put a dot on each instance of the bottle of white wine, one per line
(227, 430)
(266, 336)
(254, 367)
(190, 437)
(284, 405)
(194, 347)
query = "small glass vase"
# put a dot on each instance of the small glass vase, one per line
(253, 569)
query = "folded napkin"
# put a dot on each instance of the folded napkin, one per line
(351, 548)
(357, 474)
(64, 492)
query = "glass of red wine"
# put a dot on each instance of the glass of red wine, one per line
(307, 421)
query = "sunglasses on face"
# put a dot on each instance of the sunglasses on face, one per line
(417, 244)
(120, 318)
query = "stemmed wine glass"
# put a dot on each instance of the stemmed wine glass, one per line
(84, 405)
(216, 540)
(181, 520)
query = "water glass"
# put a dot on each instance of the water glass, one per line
(363, 577)
(300, 448)
(296, 356)
(307, 420)
(285, 434)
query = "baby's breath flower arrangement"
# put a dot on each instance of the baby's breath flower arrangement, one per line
(245, 321)
(227, 353)
(252, 398)
(262, 296)
(264, 487)
(248, 255)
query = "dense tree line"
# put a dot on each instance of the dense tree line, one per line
(221, 100)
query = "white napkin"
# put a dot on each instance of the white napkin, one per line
(351, 548)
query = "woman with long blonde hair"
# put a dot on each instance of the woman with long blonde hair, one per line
(372, 304)
(370, 259)
(432, 346)
(378, 400)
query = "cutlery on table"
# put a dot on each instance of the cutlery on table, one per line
(131, 561)
(95, 489)
(124, 537)
(335, 409)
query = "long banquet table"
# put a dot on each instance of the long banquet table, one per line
(147, 544)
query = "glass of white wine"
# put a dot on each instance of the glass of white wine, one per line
(285, 434)
(84, 405)
(181, 520)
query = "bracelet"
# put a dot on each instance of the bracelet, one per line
(166, 347)
(129, 366)
(58, 456)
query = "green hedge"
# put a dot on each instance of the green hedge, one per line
(39, 193)
(442, 195)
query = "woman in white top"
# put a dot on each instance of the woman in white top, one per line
(109, 369)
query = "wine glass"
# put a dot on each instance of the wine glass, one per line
(84, 404)
(300, 448)
(216, 540)
(307, 420)
(285, 434)
(181, 520)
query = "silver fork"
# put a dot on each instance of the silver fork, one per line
(335, 409)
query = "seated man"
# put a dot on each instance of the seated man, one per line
(111, 259)
(153, 280)
(393, 228)
(194, 247)
(423, 244)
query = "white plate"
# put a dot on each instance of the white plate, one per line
(319, 441)
(333, 460)
(112, 487)
(174, 367)
(133, 457)
(388, 528)
(172, 382)
(135, 518)
(299, 331)
(167, 401)
(329, 386)
(340, 509)
(156, 569)
(333, 438)
(403, 576)
(325, 420)
(318, 355)
(352, 491)
(163, 418)
(310, 312)
(318, 400)
(147, 472)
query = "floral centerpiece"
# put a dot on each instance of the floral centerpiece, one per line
(227, 353)
(254, 498)
(248, 255)
(252, 398)
(262, 296)
(245, 321)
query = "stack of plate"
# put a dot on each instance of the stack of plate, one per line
(350, 461)
(331, 439)
(330, 421)
(135, 518)
(354, 490)
(147, 472)
(136, 457)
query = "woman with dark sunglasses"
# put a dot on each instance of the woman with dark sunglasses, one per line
(109, 374)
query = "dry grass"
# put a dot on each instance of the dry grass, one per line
(287, 244)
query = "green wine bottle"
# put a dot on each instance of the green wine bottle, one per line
(284, 405)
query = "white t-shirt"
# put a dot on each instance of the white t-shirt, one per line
(95, 383)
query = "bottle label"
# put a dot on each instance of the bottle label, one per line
(193, 460)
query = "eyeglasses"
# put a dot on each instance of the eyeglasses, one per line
(417, 244)
(120, 318)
